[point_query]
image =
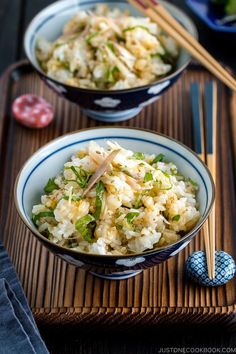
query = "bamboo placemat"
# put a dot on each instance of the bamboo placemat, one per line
(60, 294)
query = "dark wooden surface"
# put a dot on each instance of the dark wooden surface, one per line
(14, 16)
(73, 297)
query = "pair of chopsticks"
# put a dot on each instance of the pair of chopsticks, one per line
(166, 21)
(204, 109)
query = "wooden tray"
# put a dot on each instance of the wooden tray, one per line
(60, 294)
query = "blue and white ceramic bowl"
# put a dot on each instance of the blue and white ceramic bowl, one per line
(48, 161)
(105, 105)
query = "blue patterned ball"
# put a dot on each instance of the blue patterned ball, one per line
(196, 268)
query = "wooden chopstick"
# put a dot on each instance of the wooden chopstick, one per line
(199, 147)
(211, 137)
(159, 15)
(205, 119)
(166, 16)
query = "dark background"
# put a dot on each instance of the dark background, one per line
(14, 18)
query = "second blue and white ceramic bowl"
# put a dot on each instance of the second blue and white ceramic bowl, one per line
(108, 106)
(48, 162)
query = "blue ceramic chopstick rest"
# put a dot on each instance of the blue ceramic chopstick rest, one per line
(196, 268)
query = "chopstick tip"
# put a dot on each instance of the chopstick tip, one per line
(141, 3)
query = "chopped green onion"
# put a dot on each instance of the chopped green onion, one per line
(134, 27)
(167, 57)
(74, 198)
(158, 158)
(165, 174)
(82, 176)
(91, 36)
(230, 7)
(138, 156)
(42, 214)
(130, 216)
(50, 186)
(99, 198)
(85, 226)
(155, 55)
(176, 217)
(138, 201)
(159, 183)
(111, 74)
(110, 46)
(148, 177)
